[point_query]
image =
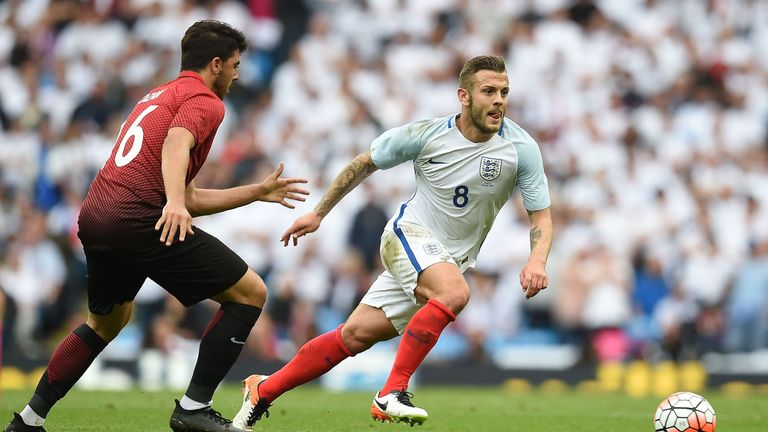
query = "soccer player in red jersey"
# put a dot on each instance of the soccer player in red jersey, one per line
(136, 223)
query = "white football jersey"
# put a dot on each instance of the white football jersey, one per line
(461, 185)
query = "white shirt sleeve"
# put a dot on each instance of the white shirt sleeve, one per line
(533, 183)
(399, 144)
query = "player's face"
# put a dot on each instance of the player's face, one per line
(488, 100)
(227, 75)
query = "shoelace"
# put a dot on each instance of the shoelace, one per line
(216, 416)
(404, 398)
(258, 410)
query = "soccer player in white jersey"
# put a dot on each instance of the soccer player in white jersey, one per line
(466, 167)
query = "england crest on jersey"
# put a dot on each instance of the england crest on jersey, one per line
(432, 248)
(489, 168)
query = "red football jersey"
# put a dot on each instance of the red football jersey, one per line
(128, 194)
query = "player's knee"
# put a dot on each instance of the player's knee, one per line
(107, 327)
(249, 290)
(255, 294)
(356, 339)
(456, 299)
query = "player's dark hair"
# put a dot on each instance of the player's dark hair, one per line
(477, 64)
(208, 39)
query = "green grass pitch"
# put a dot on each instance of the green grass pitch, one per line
(312, 409)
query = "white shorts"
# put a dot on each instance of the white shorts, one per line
(405, 252)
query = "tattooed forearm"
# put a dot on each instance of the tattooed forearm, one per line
(541, 234)
(361, 167)
(535, 236)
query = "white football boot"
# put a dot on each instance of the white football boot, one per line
(253, 406)
(397, 407)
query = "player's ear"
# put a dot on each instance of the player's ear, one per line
(463, 96)
(217, 65)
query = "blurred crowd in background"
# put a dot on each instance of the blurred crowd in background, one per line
(651, 115)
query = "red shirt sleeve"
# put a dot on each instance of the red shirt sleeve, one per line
(201, 115)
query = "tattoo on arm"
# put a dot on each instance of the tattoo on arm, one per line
(535, 236)
(361, 167)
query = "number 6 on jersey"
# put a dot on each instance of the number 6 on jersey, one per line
(137, 133)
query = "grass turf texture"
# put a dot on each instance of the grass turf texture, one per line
(450, 409)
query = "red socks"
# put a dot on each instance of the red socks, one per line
(315, 358)
(419, 337)
(322, 353)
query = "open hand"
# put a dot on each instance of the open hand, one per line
(280, 190)
(306, 224)
(175, 217)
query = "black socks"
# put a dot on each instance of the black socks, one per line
(221, 345)
(68, 363)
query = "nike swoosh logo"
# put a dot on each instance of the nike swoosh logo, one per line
(424, 340)
(235, 341)
(381, 406)
(434, 162)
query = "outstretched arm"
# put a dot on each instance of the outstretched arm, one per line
(352, 175)
(533, 277)
(182, 203)
(272, 189)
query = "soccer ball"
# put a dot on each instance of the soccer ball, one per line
(684, 412)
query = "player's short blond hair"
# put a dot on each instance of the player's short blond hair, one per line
(477, 64)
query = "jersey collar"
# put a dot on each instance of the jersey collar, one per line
(454, 118)
(192, 74)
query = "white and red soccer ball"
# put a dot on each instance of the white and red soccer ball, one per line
(684, 412)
